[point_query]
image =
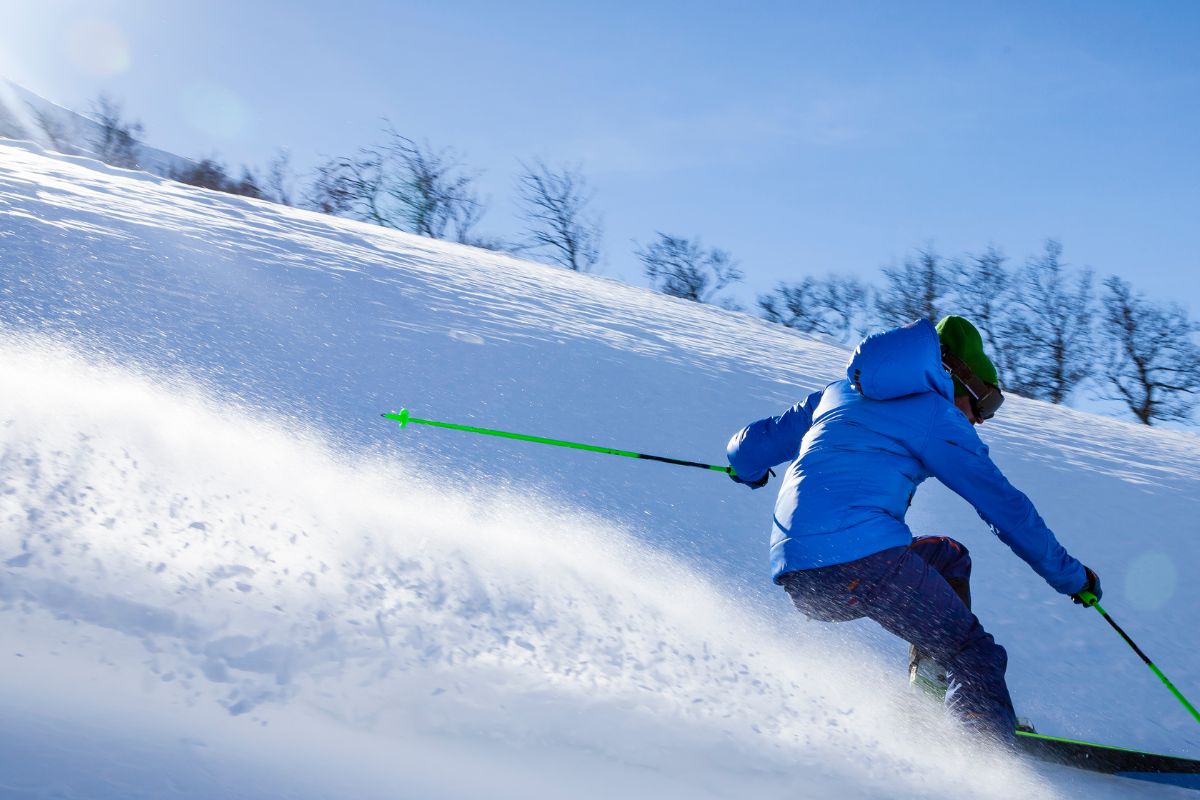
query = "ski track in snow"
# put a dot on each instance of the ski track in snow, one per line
(253, 541)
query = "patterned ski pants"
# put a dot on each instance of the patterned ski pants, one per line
(920, 593)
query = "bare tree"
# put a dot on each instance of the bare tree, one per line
(207, 173)
(431, 192)
(327, 193)
(400, 185)
(279, 181)
(684, 268)
(58, 136)
(351, 187)
(981, 289)
(915, 290)
(116, 141)
(247, 186)
(794, 305)
(835, 306)
(493, 243)
(1153, 363)
(848, 307)
(1048, 336)
(554, 205)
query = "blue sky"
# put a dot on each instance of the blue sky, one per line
(803, 137)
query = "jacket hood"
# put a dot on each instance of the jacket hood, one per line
(900, 362)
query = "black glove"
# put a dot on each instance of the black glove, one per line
(758, 484)
(1092, 585)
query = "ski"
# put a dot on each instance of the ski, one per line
(1120, 761)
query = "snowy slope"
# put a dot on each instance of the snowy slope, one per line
(210, 532)
(25, 115)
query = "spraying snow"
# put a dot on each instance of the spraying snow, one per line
(259, 570)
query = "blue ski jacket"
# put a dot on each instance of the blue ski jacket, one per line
(860, 447)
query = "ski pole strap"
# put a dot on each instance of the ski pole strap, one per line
(1091, 600)
(404, 418)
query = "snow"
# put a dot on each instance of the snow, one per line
(222, 574)
(22, 114)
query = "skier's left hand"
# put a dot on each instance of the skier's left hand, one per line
(1092, 584)
(758, 484)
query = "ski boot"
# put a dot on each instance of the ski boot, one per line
(927, 677)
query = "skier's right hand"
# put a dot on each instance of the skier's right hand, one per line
(1092, 585)
(758, 484)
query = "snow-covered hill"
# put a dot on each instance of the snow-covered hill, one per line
(31, 117)
(224, 574)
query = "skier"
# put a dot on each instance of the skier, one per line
(858, 450)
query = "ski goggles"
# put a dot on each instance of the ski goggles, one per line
(986, 398)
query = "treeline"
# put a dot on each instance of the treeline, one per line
(394, 182)
(1048, 327)
(117, 140)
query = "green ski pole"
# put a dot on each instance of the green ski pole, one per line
(1090, 599)
(404, 419)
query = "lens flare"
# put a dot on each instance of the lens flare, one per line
(1151, 580)
(98, 47)
(214, 110)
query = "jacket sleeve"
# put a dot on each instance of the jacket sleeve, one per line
(763, 444)
(957, 457)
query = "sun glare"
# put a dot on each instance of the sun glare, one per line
(98, 47)
(214, 109)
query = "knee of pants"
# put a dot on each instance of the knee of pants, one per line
(948, 556)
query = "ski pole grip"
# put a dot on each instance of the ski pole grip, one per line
(1088, 599)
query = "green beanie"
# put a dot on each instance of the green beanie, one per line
(962, 339)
